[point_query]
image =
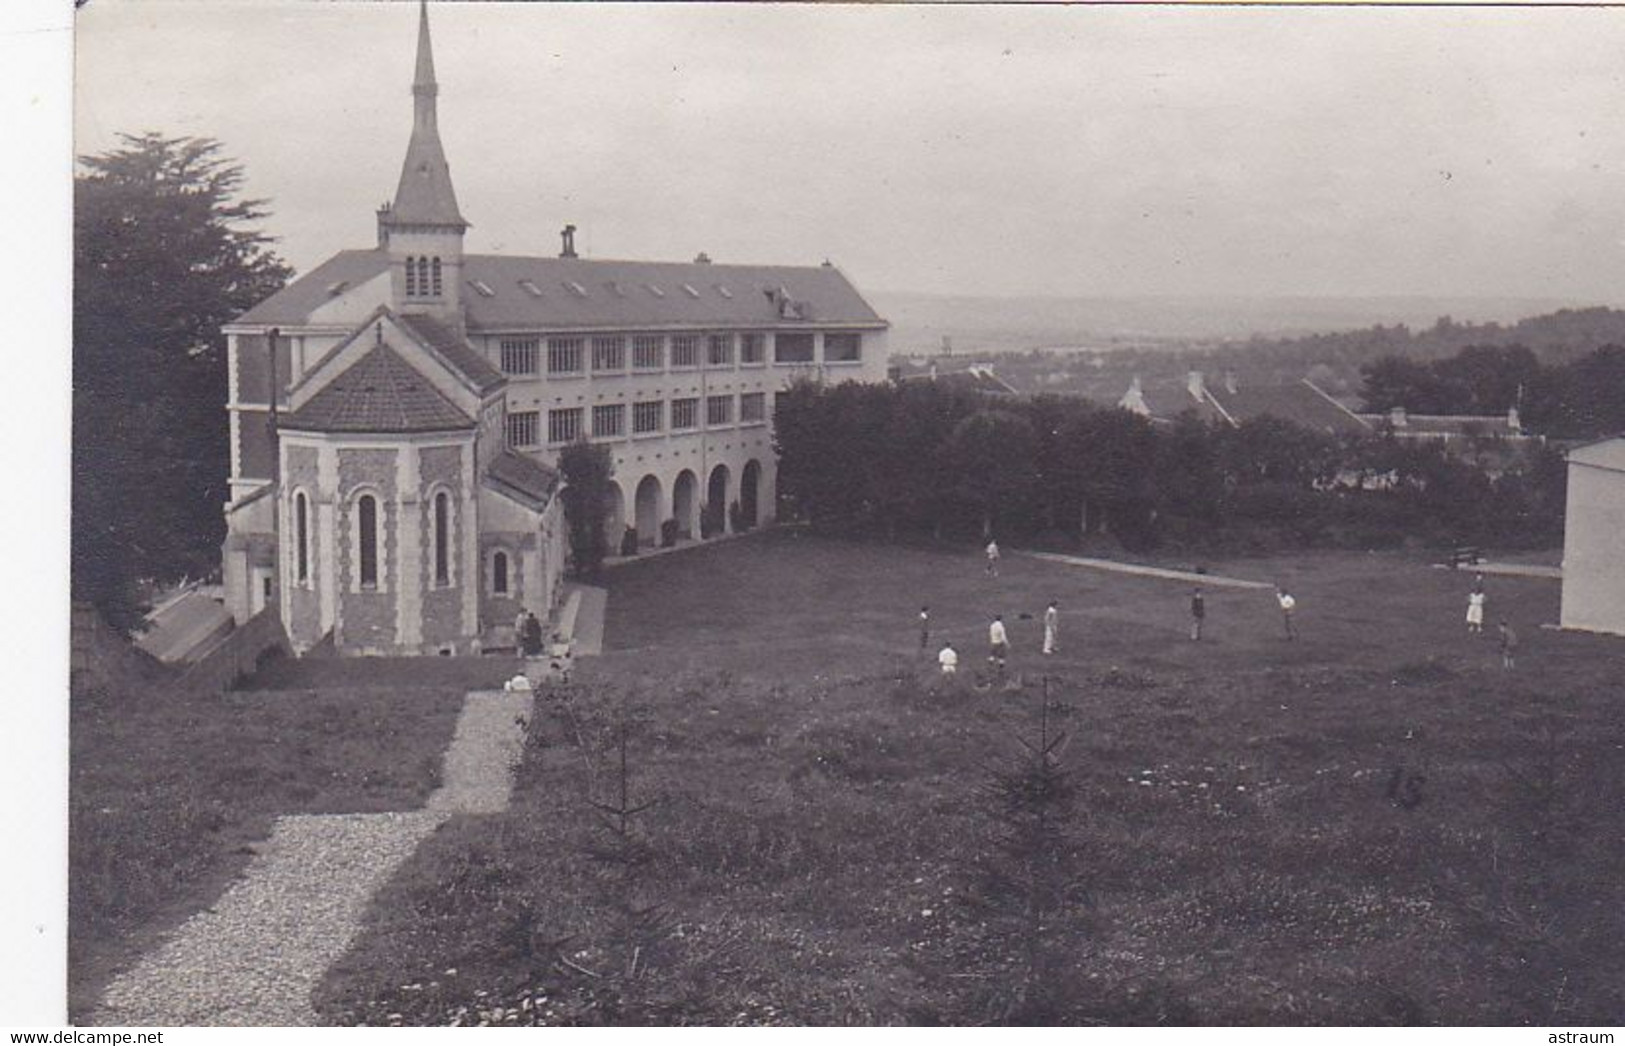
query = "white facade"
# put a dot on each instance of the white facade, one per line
(1594, 539)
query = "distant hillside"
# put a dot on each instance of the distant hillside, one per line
(979, 325)
(1332, 360)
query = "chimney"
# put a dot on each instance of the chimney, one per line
(1193, 382)
(1230, 382)
(383, 225)
(1396, 417)
(569, 237)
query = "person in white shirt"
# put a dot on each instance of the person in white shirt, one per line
(1288, 605)
(1475, 611)
(998, 641)
(993, 558)
(948, 658)
(1052, 622)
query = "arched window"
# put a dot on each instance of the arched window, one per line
(435, 284)
(442, 538)
(411, 277)
(499, 574)
(367, 525)
(301, 527)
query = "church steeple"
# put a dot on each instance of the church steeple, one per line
(424, 195)
(423, 229)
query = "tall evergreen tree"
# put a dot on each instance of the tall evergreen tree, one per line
(165, 253)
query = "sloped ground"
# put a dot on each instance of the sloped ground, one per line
(252, 957)
(1373, 824)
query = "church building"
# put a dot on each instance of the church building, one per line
(396, 414)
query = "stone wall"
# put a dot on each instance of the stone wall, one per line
(441, 469)
(366, 618)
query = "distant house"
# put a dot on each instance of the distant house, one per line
(978, 377)
(1302, 403)
(1593, 550)
(1492, 442)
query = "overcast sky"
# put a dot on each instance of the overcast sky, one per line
(1048, 151)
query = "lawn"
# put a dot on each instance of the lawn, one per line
(1374, 824)
(169, 787)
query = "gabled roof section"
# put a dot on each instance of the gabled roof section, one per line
(294, 304)
(456, 352)
(522, 479)
(1301, 403)
(586, 292)
(539, 293)
(379, 393)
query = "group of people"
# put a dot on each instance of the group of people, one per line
(1476, 600)
(998, 640)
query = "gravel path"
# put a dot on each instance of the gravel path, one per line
(1134, 568)
(254, 958)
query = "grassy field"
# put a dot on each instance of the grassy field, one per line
(1374, 824)
(168, 788)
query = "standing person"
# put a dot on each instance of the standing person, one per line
(1198, 613)
(998, 643)
(1288, 605)
(1475, 610)
(533, 636)
(1052, 622)
(925, 629)
(1509, 645)
(948, 658)
(992, 558)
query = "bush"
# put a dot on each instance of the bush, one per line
(668, 533)
(629, 541)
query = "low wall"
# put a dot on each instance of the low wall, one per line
(239, 653)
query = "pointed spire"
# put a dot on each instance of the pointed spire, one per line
(425, 71)
(424, 195)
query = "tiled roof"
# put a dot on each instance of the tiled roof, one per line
(294, 303)
(974, 378)
(1170, 401)
(1301, 403)
(458, 354)
(380, 392)
(564, 293)
(514, 473)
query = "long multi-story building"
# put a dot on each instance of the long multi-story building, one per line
(396, 413)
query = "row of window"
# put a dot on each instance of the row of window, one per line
(366, 522)
(564, 424)
(422, 277)
(607, 353)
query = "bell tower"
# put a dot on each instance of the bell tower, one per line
(422, 228)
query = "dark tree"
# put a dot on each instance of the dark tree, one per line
(165, 253)
(588, 470)
(993, 455)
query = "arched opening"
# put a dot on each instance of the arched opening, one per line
(442, 539)
(646, 506)
(412, 277)
(615, 518)
(716, 500)
(367, 538)
(499, 573)
(750, 482)
(434, 287)
(301, 526)
(684, 498)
